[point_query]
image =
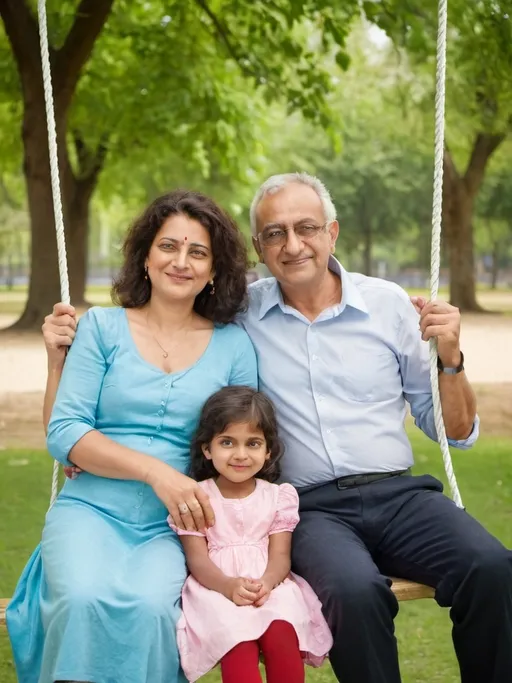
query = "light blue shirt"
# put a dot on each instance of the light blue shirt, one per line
(340, 384)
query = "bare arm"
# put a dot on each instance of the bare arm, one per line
(278, 565)
(203, 569)
(279, 558)
(59, 330)
(458, 402)
(52, 384)
(441, 321)
(240, 590)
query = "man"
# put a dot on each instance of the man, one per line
(340, 355)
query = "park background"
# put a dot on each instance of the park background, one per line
(216, 95)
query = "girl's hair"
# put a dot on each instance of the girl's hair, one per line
(230, 262)
(232, 405)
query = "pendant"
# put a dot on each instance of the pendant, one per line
(166, 355)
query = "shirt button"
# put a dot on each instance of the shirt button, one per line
(313, 357)
(162, 403)
(329, 431)
(320, 397)
(150, 439)
(160, 412)
(159, 428)
(140, 493)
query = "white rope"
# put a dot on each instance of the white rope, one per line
(436, 239)
(54, 170)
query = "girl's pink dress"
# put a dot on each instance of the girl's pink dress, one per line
(211, 625)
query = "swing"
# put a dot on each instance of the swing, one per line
(402, 588)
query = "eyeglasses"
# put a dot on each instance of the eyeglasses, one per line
(275, 236)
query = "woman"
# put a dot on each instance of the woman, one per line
(99, 599)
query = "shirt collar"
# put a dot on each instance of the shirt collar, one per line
(351, 295)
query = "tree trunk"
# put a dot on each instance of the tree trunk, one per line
(44, 285)
(44, 288)
(78, 216)
(495, 265)
(67, 64)
(459, 195)
(78, 221)
(458, 229)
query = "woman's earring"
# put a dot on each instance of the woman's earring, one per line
(146, 272)
(212, 285)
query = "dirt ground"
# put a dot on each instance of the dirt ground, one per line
(486, 341)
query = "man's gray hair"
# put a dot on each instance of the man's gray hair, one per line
(277, 182)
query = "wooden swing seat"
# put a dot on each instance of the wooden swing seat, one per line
(404, 590)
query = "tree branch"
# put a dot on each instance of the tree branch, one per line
(90, 18)
(22, 31)
(223, 34)
(451, 179)
(484, 146)
(90, 162)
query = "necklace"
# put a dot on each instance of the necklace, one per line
(165, 353)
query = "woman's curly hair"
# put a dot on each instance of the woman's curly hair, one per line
(230, 262)
(231, 405)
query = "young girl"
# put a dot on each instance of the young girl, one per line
(240, 599)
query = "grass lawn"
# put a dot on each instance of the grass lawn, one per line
(423, 629)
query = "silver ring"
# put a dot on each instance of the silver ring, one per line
(183, 508)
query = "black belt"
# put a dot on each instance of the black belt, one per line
(362, 479)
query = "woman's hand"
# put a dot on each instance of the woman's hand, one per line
(188, 505)
(59, 330)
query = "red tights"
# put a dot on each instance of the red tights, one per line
(280, 648)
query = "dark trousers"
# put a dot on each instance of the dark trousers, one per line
(348, 541)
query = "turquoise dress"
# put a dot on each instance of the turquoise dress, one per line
(100, 597)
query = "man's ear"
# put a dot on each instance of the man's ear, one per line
(334, 229)
(257, 248)
(206, 451)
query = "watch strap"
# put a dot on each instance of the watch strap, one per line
(451, 371)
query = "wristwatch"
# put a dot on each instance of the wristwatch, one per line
(451, 371)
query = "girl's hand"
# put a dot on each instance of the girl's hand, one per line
(59, 330)
(188, 505)
(243, 591)
(264, 593)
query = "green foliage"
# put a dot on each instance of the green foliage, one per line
(479, 78)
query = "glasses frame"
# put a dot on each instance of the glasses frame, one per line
(287, 230)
